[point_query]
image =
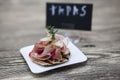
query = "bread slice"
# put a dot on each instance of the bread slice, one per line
(52, 62)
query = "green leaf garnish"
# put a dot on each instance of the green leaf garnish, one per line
(51, 31)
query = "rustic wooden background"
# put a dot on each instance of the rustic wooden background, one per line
(22, 23)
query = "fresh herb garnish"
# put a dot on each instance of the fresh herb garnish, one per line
(51, 31)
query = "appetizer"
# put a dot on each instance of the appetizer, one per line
(50, 50)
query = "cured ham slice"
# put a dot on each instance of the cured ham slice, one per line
(58, 55)
(47, 52)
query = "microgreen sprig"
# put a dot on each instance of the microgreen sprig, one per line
(51, 31)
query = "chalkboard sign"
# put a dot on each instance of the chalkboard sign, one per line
(69, 16)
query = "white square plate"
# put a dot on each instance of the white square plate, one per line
(76, 57)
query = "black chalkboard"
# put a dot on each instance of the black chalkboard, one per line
(69, 15)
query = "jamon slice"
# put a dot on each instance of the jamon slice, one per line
(35, 56)
(58, 55)
(40, 54)
(50, 53)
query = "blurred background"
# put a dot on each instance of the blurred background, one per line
(22, 19)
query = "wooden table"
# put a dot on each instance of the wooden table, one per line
(22, 23)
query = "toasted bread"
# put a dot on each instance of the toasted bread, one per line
(52, 62)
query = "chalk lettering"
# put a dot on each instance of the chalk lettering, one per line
(75, 10)
(68, 10)
(53, 10)
(61, 10)
(83, 11)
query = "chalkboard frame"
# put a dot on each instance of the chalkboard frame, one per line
(68, 25)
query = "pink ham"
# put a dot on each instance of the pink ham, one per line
(53, 53)
(35, 56)
(41, 55)
(58, 55)
(48, 49)
(38, 49)
(45, 51)
(64, 48)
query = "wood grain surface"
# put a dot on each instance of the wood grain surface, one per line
(22, 23)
